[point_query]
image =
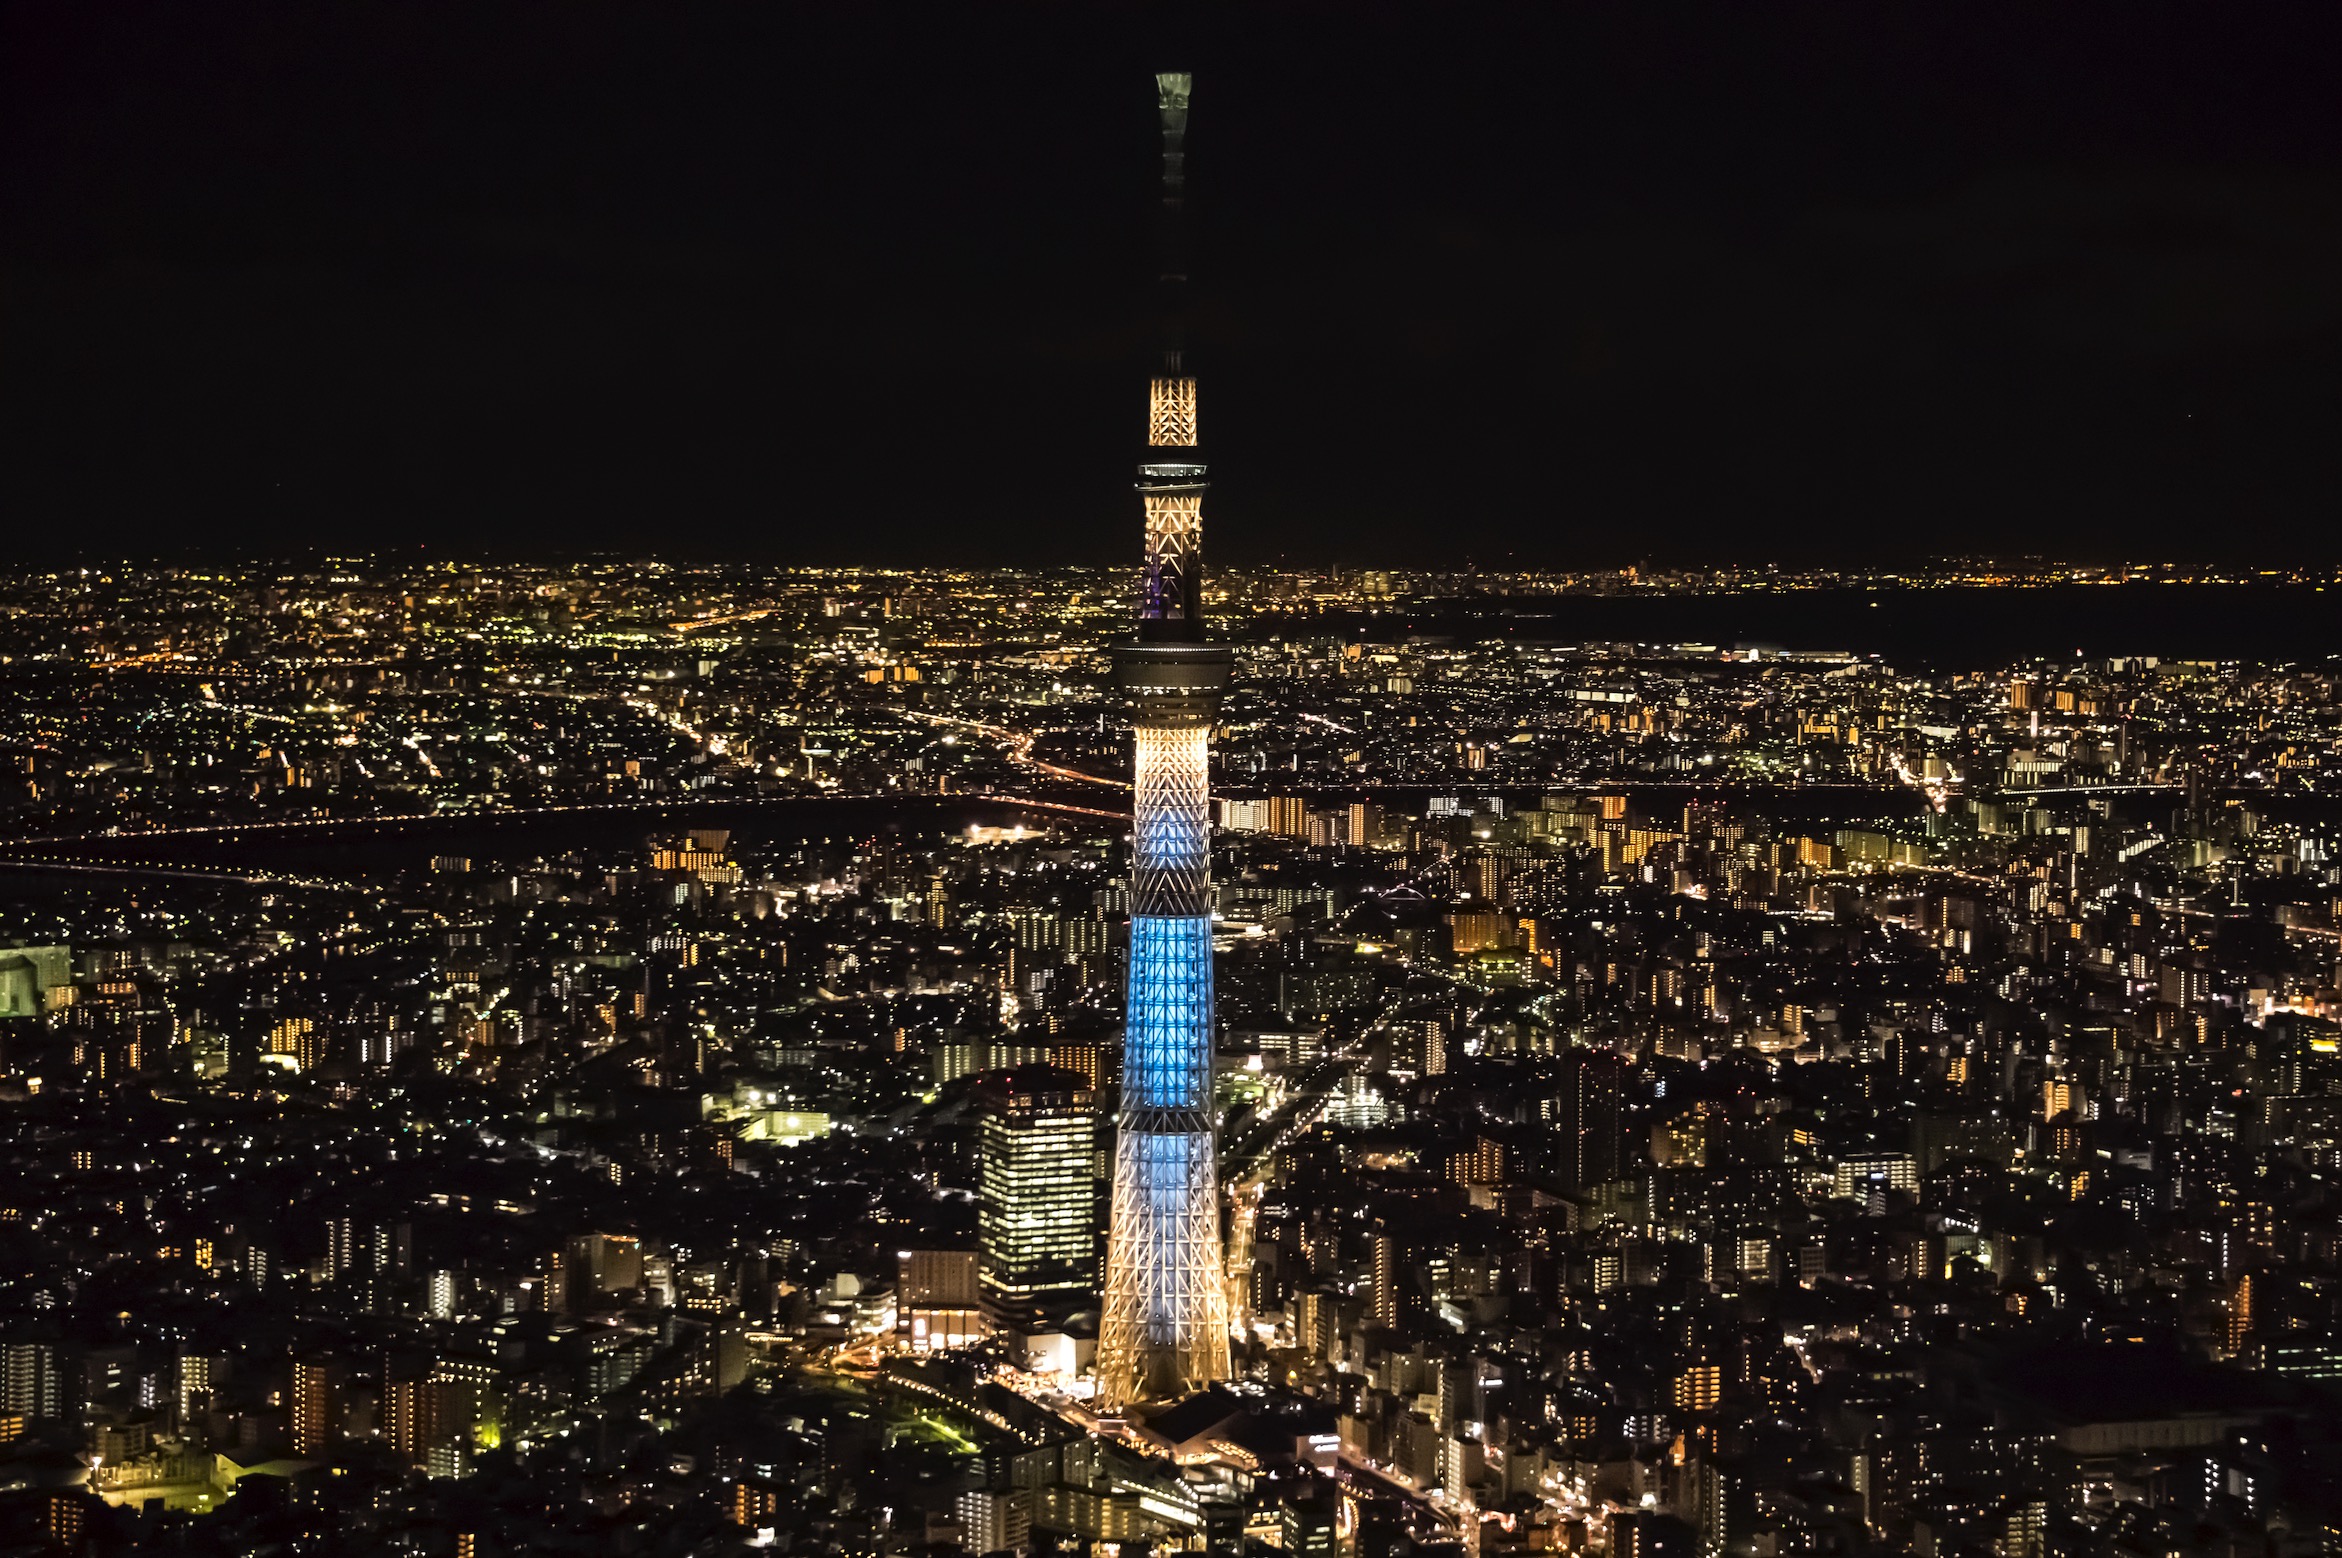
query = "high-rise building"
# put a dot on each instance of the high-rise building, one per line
(355, 1244)
(1388, 1294)
(1164, 1329)
(410, 1411)
(341, 1244)
(34, 1382)
(64, 1516)
(313, 1406)
(995, 1520)
(200, 1375)
(1036, 1229)
(1588, 1113)
(469, 1403)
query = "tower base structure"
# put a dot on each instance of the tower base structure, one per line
(1164, 1329)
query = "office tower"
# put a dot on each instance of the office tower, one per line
(1164, 1329)
(1036, 1234)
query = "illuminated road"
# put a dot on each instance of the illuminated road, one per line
(1019, 746)
(1426, 1520)
(1245, 1156)
(694, 624)
(1245, 1162)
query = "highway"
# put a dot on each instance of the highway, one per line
(1245, 1160)
(1245, 1156)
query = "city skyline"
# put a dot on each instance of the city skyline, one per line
(644, 1038)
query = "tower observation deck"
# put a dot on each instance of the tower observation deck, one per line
(1164, 1330)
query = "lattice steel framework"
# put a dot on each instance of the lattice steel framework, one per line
(1175, 530)
(1171, 810)
(1165, 1325)
(1164, 1329)
(1167, 1084)
(1171, 413)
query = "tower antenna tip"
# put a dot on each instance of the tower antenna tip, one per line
(1172, 86)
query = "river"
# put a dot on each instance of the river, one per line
(1951, 629)
(388, 845)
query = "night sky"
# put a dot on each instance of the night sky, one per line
(1549, 285)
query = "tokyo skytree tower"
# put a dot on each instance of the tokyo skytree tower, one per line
(1164, 1330)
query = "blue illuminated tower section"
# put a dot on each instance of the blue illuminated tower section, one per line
(1164, 1330)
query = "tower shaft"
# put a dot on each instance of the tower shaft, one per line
(1164, 1329)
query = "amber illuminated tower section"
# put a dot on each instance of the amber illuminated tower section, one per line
(1164, 1330)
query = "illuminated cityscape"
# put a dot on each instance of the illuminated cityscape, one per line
(479, 1027)
(537, 1019)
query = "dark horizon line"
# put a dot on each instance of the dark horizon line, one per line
(1508, 564)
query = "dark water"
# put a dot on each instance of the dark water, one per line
(378, 850)
(1947, 629)
(391, 845)
(1842, 805)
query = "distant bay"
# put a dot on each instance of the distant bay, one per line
(1959, 628)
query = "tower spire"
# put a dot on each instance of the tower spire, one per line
(1171, 475)
(1164, 1329)
(1171, 89)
